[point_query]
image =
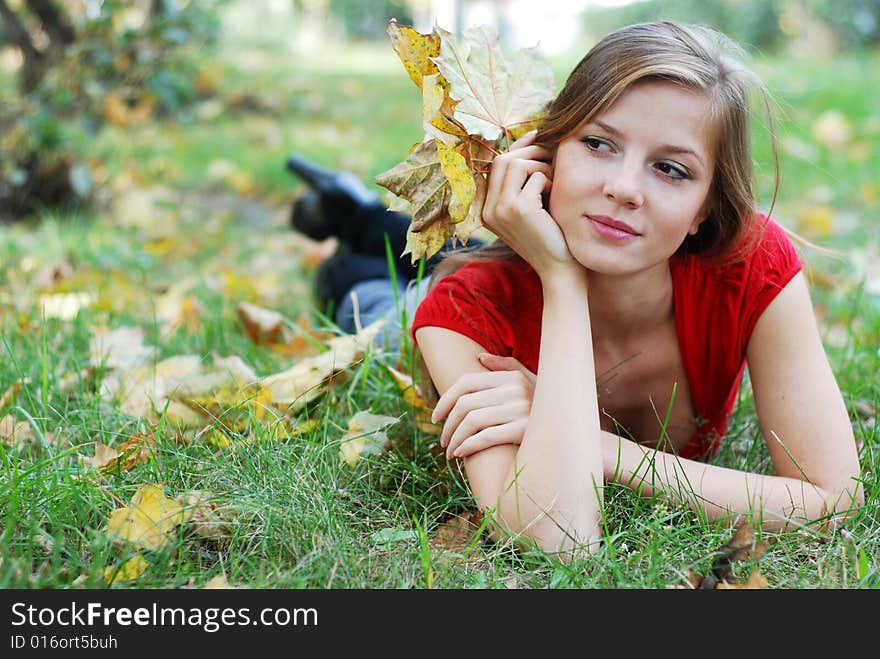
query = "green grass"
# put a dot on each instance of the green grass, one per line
(302, 518)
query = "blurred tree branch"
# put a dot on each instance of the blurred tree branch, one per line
(35, 64)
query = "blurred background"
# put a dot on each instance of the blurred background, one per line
(111, 108)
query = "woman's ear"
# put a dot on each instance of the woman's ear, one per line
(695, 225)
(701, 217)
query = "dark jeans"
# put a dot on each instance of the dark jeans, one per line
(361, 266)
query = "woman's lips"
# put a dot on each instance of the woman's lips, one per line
(612, 229)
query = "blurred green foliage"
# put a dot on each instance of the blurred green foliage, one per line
(757, 24)
(119, 62)
(368, 20)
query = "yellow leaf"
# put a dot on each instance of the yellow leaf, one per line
(426, 242)
(291, 389)
(131, 452)
(461, 181)
(207, 518)
(10, 394)
(832, 130)
(755, 581)
(438, 110)
(128, 571)
(415, 50)
(13, 431)
(420, 180)
(148, 521)
(413, 397)
(365, 436)
(217, 583)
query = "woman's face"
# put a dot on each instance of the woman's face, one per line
(631, 183)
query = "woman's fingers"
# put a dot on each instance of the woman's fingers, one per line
(480, 419)
(508, 433)
(528, 138)
(468, 403)
(467, 383)
(502, 363)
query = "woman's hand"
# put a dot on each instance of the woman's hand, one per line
(486, 409)
(514, 209)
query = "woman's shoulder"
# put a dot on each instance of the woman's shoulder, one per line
(765, 253)
(500, 280)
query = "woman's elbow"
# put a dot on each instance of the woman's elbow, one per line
(546, 531)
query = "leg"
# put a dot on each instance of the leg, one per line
(375, 299)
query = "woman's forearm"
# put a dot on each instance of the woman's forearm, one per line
(776, 502)
(555, 483)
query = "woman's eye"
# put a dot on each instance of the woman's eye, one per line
(670, 170)
(595, 144)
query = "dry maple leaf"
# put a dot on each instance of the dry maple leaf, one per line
(741, 547)
(12, 392)
(148, 521)
(292, 389)
(365, 436)
(208, 518)
(128, 571)
(412, 396)
(494, 93)
(262, 325)
(220, 582)
(474, 101)
(457, 532)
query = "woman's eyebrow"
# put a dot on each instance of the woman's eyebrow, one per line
(671, 148)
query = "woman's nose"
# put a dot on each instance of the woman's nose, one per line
(623, 186)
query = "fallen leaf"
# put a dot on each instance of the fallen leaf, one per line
(139, 448)
(741, 547)
(457, 532)
(292, 389)
(207, 517)
(816, 221)
(220, 582)
(121, 348)
(149, 520)
(365, 436)
(262, 325)
(755, 581)
(13, 431)
(413, 397)
(64, 306)
(128, 571)
(10, 394)
(103, 455)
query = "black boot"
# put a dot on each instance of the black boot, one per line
(332, 200)
(337, 275)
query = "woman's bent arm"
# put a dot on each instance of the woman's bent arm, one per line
(804, 422)
(548, 488)
(555, 482)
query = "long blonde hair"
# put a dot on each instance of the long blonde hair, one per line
(699, 59)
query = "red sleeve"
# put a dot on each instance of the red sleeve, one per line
(716, 309)
(470, 301)
(773, 264)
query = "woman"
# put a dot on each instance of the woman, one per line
(604, 337)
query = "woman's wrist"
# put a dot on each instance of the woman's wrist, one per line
(564, 282)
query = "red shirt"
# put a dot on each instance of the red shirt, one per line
(498, 304)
